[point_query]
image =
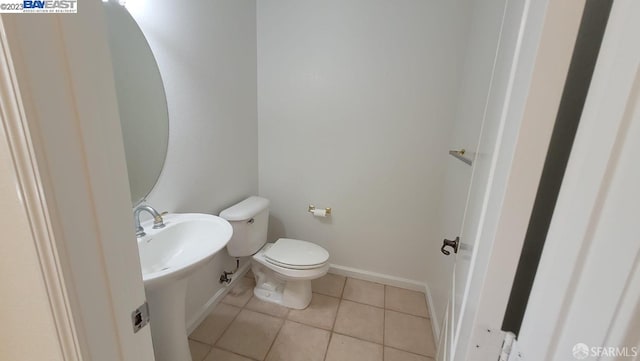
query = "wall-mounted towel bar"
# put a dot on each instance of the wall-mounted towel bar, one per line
(460, 155)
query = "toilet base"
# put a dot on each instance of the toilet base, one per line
(296, 295)
(285, 291)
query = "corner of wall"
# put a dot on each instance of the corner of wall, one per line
(435, 322)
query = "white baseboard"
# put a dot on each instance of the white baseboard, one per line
(206, 309)
(392, 281)
(376, 277)
(435, 323)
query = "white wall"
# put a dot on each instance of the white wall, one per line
(206, 53)
(356, 104)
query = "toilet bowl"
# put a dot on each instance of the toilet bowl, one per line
(284, 269)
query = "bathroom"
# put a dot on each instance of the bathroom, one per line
(317, 103)
(358, 122)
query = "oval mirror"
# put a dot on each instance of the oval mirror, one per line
(141, 98)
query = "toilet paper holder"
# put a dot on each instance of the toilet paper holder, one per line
(313, 208)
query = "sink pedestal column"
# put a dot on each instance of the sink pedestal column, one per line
(168, 324)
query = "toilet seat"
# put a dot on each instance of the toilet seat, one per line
(296, 254)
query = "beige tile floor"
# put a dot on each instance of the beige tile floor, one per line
(347, 320)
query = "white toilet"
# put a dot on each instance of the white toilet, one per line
(283, 269)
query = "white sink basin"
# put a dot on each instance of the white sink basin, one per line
(167, 256)
(187, 241)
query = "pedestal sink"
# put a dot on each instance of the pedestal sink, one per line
(167, 256)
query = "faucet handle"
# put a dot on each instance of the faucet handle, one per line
(158, 222)
(140, 232)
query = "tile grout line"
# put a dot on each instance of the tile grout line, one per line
(384, 318)
(326, 351)
(384, 308)
(202, 343)
(310, 326)
(265, 312)
(344, 285)
(333, 326)
(358, 338)
(207, 354)
(252, 278)
(284, 319)
(400, 349)
(211, 346)
(228, 326)
(412, 353)
(376, 343)
(225, 329)
(274, 339)
(237, 354)
(279, 329)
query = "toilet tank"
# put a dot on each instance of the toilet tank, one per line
(250, 220)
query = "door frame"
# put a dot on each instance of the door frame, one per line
(575, 277)
(592, 28)
(61, 121)
(16, 136)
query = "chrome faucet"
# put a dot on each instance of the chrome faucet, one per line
(157, 218)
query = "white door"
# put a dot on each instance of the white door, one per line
(483, 38)
(484, 35)
(65, 131)
(586, 293)
(508, 15)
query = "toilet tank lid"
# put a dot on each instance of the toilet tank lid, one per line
(246, 209)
